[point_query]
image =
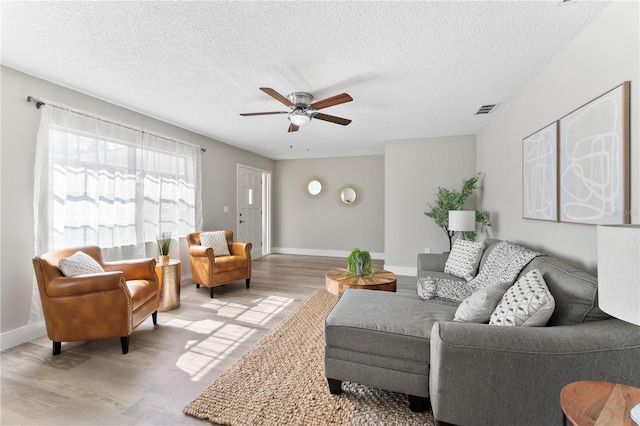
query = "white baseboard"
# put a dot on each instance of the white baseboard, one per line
(315, 252)
(21, 335)
(410, 271)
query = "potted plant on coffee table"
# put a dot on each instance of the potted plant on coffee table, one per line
(359, 263)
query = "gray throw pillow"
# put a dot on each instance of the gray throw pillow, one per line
(480, 305)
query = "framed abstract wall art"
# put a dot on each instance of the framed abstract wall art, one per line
(539, 174)
(593, 176)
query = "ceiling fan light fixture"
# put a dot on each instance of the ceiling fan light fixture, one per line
(303, 108)
(299, 118)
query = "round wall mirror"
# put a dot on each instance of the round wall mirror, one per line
(349, 195)
(315, 187)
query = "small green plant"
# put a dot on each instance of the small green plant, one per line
(454, 200)
(359, 263)
(164, 243)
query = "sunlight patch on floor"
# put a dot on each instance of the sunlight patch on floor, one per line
(203, 326)
(221, 338)
(217, 304)
(265, 310)
(232, 310)
(201, 356)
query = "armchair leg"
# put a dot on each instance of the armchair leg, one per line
(154, 317)
(335, 386)
(248, 281)
(57, 347)
(211, 292)
(124, 342)
(197, 285)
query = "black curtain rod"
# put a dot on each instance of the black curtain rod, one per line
(40, 103)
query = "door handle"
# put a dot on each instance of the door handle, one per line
(241, 221)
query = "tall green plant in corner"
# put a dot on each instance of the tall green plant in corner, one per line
(447, 199)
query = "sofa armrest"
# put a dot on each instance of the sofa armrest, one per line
(135, 269)
(432, 262)
(201, 251)
(240, 248)
(84, 284)
(483, 374)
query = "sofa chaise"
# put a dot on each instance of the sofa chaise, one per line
(477, 373)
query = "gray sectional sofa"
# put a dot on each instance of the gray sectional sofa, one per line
(479, 374)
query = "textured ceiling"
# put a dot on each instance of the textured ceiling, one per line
(414, 69)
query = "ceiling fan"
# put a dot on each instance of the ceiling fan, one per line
(303, 109)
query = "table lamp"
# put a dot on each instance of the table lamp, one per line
(619, 276)
(462, 221)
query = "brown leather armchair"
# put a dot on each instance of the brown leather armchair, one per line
(95, 306)
(210, 270)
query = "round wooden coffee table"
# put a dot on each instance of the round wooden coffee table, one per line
(337, 280)
(590, 403)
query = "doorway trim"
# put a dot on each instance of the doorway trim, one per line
(266, 205)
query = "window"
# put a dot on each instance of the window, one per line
(100, 183)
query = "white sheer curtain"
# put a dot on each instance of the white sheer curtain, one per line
(105, 184)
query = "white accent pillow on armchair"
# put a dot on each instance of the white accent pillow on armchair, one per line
(79, 263)
(217, 240)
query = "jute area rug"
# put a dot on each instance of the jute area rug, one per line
(280, 381)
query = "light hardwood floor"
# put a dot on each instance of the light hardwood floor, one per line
(92, 383)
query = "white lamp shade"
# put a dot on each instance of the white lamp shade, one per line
(462, 220)
(619, 271)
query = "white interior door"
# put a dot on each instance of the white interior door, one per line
(250, 208)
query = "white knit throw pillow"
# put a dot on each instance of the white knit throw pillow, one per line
(79, 263)
(217, 240)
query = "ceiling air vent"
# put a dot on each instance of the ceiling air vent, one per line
(486, 109)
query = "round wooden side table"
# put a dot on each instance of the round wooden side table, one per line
(337, 280)
(591, 403)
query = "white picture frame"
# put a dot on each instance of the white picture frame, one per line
(539, 174)
(593, 179)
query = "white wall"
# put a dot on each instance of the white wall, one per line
(324, 226)
(20, 121)
(219, 173)
(415, 168)
(600, 58)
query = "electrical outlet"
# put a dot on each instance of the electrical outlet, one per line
(427, 250)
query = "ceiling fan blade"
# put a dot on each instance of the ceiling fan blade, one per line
(332, 118)
(334, 100)
(247, 114)
(293, 128)
(277, 96)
